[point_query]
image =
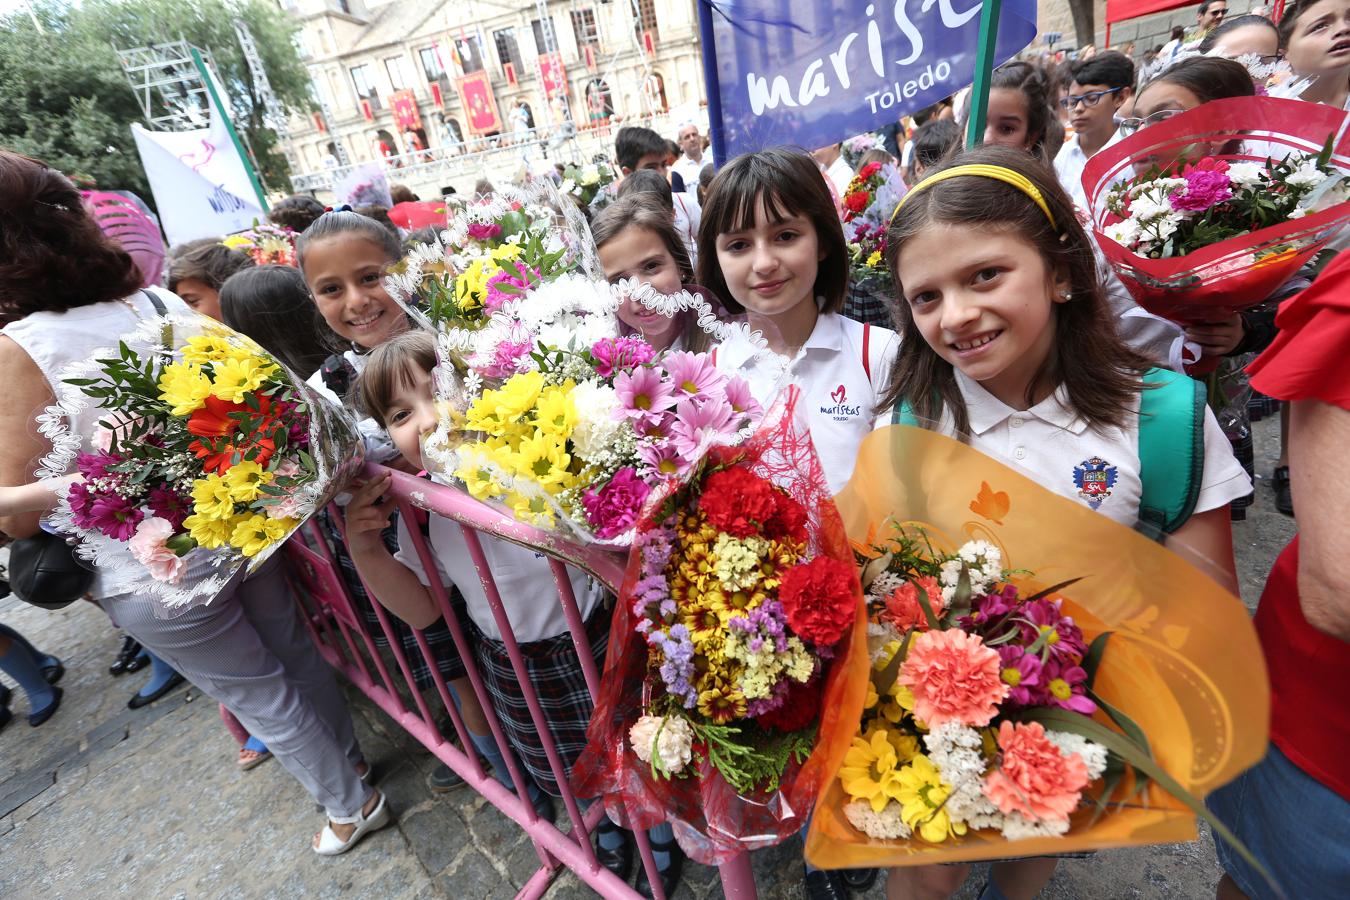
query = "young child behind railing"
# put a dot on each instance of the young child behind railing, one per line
(395, 389)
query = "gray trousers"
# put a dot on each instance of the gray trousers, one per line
(249, 651)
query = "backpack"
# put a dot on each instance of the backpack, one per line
(1171, 449)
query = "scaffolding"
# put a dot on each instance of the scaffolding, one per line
(169, 88)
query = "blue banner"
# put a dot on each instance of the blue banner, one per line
(812, 72)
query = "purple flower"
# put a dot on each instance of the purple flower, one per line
(1204, 188)
(1022, 673)
(614, 508)
(678, 667)
(168, 504)
(644, 394)
(698, 425)
(1064, 641)
(1066, 687)
(742, 401)
(115, 516)
(693, 374)
(612, 354)
(663, 461)
(484, 231)
(95, 465)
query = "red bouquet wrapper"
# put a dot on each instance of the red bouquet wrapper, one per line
(413, 214)
(1237, 273)
(712, 822)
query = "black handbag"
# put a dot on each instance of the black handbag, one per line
(43, 569)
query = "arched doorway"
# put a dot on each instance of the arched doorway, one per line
(384, 147)
(654, 92)
(599, 101)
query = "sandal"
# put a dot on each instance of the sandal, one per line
(251, 759)
(332, 845)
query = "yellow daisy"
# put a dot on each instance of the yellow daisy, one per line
(185, 387)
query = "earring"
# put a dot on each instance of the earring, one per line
(1066, 296)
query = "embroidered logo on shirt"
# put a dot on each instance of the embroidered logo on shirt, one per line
(1095, 478)
(841, 411)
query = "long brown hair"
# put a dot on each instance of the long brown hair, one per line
(1087, 357)
(642, 211)
(53, 255)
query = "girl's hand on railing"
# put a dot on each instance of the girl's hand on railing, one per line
(368, 512)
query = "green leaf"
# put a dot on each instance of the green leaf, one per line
(1053, 589)
(1139, 758)
(1093, 658)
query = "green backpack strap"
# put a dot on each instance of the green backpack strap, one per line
(1171, 450)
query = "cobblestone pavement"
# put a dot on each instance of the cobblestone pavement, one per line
(103, 801)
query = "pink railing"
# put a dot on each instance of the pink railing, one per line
(340, 632)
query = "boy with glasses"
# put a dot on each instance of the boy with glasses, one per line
(1099, 89)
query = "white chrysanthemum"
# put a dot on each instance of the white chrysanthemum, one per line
(885, 584)
(1125, 232)
(1093, 755)
(886, 825)
(1246, 173)
(1306, 175)
(669, 739)
(1016, 827)
(1151, 204)
(596, 423)
(1297, 213)
(1162, 228)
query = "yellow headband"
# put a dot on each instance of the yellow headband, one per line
(999, 173)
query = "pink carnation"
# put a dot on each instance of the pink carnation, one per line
(484, 231)
(148, 546)
(954, 678)
(612, 354)
(1034, 778)
(614, 508)
(1204, 188)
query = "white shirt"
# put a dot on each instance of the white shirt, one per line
(839, 396)
(1069, 163)
(688, 216)
(524, 581)
(1050, 441)
(689, 170)
(840, 175)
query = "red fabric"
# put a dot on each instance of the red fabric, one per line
(412, 215)
(1120, 10)
(1309, 670)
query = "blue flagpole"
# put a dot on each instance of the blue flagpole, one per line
(705, 35)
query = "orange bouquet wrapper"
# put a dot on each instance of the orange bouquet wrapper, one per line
(1183, 659)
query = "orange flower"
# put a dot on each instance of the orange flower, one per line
(213, 421)
(954, 678)
(1034, 778)
(902, 606)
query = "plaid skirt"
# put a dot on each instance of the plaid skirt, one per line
(553, 668)
(439, 639)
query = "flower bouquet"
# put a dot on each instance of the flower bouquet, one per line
(210, 456)
(585, 182)
(855, 148)
(266, 244)
(1225, 213)
(733, 651)
(868, 205)
(1035, 687)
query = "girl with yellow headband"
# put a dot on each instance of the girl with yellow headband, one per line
(1008, 342)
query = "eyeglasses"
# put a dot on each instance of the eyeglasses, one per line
(1130, 126)
(1088, 100)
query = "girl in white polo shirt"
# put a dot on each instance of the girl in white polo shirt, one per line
(1008, 342)
(771, 246)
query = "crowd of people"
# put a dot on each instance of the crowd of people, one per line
(1005, 326)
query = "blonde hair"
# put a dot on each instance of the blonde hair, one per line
(389, 369)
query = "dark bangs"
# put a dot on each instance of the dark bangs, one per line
(391, 367)
(789, 183)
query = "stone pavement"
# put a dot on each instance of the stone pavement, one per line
(103, 801)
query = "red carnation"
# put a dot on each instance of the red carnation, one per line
(856, 202)
(869, 170)
(819, 600)
(737, 501)
(800, 710)
(788, 520)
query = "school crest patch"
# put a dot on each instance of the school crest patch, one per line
(1095, 478)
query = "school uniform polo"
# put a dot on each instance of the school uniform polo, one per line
(842, 370)
(1054, 446)
(524, 581)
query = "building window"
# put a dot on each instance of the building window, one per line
(545, 40)
(508, 53)
(398, 76)
(470, 54)
(644, 18)
(365, 86)
(585, 28)
(431, 64)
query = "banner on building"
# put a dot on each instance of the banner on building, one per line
(812, 73)
(480, 106)
(403, 106)
(552, 74)
(201, 186)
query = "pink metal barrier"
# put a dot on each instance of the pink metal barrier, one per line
(340, 631)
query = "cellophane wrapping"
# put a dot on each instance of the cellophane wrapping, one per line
(209, 456)
(1183, 660)
(712, 822)
(1233, 274)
